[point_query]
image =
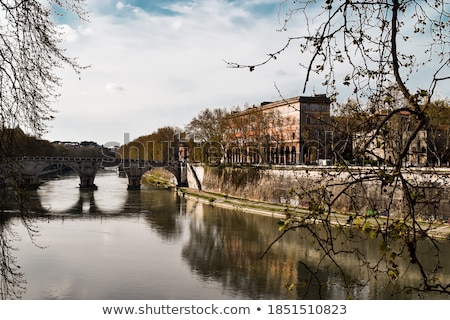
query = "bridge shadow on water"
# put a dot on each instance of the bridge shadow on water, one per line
(60, 199)
(219, 246)
(56, 200)
(158, 207)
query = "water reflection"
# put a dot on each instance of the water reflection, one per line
(157, 206)
(152, 244)
(225, 247)
(62, 196)
(12, 281)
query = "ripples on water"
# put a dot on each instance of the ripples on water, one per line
(152, 244)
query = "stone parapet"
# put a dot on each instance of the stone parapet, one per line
(361, 190)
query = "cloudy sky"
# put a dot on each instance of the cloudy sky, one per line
(156, 63)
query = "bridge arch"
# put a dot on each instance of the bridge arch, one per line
(87, 168)
(135, 169)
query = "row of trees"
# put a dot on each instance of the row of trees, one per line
(388, 130)
(213, 132)
(209, 134)
(21, 144)
(157, 146)
(218, 134)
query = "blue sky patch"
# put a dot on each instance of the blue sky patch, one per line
(265, 9)
(159, 7)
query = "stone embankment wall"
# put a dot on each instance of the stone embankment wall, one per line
(305, 187)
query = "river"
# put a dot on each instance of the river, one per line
(154, 244)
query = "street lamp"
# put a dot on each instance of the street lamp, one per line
(300, 133)
(326, 134)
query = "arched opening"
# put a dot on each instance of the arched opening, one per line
(56, 170)
(287, 155)
(294, 155)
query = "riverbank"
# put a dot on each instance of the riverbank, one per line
(436, 230)
(239, 204)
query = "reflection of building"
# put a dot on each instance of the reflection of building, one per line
(289, 131)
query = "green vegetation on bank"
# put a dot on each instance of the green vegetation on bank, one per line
(159, 178)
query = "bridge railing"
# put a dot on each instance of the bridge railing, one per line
(34, 158)
(104, 160)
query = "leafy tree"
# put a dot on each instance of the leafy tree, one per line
(438, 132)
(348, 119)
(240, 133)
(157, 146)
(208, 125)
(207, 131)
(377, 43)
(253, 132)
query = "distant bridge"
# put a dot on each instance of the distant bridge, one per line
(32, 168)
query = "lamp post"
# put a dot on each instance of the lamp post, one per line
(326, 135)
(300, 133)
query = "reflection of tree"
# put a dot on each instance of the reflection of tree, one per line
(157, 206)
(15, 205)
(226, 246)
(351, 274)
(160, 211)
(12, 282)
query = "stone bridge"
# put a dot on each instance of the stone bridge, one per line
(31, 169)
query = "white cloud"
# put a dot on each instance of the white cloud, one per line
(113, 87)
(85, 30)
(171, 66)
(150, 69)
(177, 24)
(120, 5)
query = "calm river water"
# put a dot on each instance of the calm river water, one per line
(153, 244)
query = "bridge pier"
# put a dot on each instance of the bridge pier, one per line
(87, 170)
(87, 182)
(134, 182)
(134, 171)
